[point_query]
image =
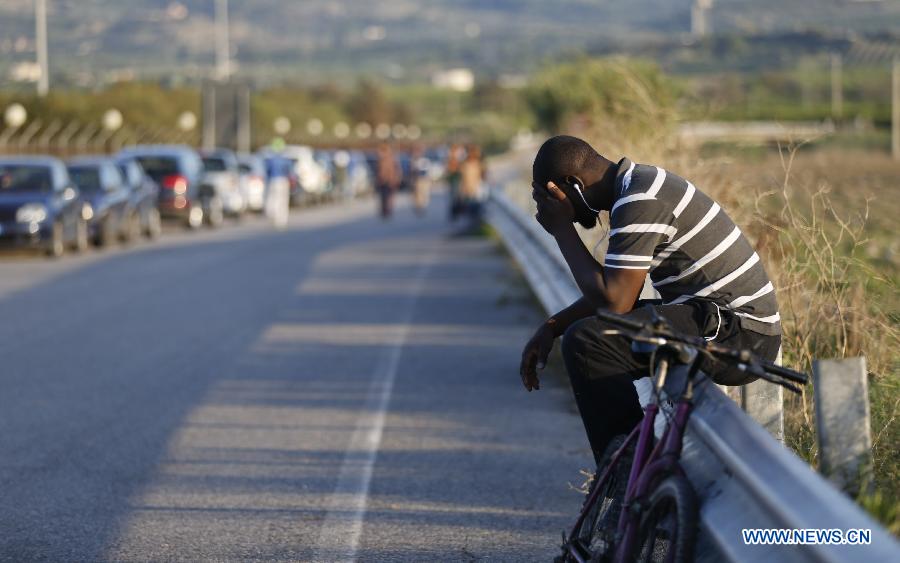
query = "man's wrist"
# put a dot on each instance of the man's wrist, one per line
(552, 324)
(565, 230)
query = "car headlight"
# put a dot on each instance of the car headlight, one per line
(87, 212)
(31, 213)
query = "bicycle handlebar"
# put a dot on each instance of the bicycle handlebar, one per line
(660, 332)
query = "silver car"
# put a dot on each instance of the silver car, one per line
(222, 173)
(252, 172)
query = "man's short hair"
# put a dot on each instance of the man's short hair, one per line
(561, 156)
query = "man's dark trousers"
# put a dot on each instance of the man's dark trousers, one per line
(602, 367)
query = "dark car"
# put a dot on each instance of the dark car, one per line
(103, 190)
(39, 206)
(143, 198)
(179, 173)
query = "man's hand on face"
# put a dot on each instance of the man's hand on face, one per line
(554, 210)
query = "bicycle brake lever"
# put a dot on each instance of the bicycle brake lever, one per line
(758, 371)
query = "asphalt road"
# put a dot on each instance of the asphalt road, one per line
(343, 389)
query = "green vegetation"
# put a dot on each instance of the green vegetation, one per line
(799, 93)
(489, 115)
(630, 97)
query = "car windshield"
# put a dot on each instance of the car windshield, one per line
(25, 178)
(87, 178)
(158, 167)
(212, 164)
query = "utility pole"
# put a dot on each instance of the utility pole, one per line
(40, 40)
(223, 46)
(837, 87)
(700, 17)
(895, 110)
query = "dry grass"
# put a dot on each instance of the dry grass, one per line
(823, 224)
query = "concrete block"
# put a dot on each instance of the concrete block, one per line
(764, 402)
(841, 396)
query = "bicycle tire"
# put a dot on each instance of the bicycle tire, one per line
(599, 527)
(668, 527)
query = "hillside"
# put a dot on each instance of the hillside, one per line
(402, 39)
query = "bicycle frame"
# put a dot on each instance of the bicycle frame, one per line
(650, 464)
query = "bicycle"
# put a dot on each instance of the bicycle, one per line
(652, 514)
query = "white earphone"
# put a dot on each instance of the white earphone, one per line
(581, 193)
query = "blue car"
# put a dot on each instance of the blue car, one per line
(143, 197)
(39, 206)
(106, 197)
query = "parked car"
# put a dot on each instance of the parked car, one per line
(312, 175)
(103, 191)
(351, 176)
(252, 171)
(39, 206)
(361, 179)
(142, 199)
(178, 171)
(325, 161)
(222, 173)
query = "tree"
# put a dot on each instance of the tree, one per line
(369, 104)
(631, 98)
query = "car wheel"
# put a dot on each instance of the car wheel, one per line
(154, 224)
(216, 213)
(107, 236)
(57, 245)
(132, 228)
(195, 217)
(81, 235)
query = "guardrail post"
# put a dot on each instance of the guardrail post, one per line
(764, 402)
(841, 395)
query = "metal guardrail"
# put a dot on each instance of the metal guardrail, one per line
(744, 477)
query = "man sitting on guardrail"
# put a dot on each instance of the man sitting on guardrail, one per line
(711, 280)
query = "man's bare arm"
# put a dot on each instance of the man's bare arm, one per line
(615, 289)
(562, 320)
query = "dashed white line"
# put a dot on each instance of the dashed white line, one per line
(340, 533)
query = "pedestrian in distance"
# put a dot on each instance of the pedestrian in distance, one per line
(278, 192)
(472, 174)
(420, 166)
(454, 158)
(387, 180)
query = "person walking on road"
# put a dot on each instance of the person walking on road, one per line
(421, 182)
(278, 191)
(387, 179)
(454, 157)
(712, 282)
(472, 174)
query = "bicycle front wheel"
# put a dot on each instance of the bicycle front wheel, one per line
(599, 527)
(669, 523)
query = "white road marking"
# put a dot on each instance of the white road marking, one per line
(340, 533)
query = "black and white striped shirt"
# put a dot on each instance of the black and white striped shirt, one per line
(693, 250)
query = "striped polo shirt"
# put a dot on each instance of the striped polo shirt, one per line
(693, 250)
